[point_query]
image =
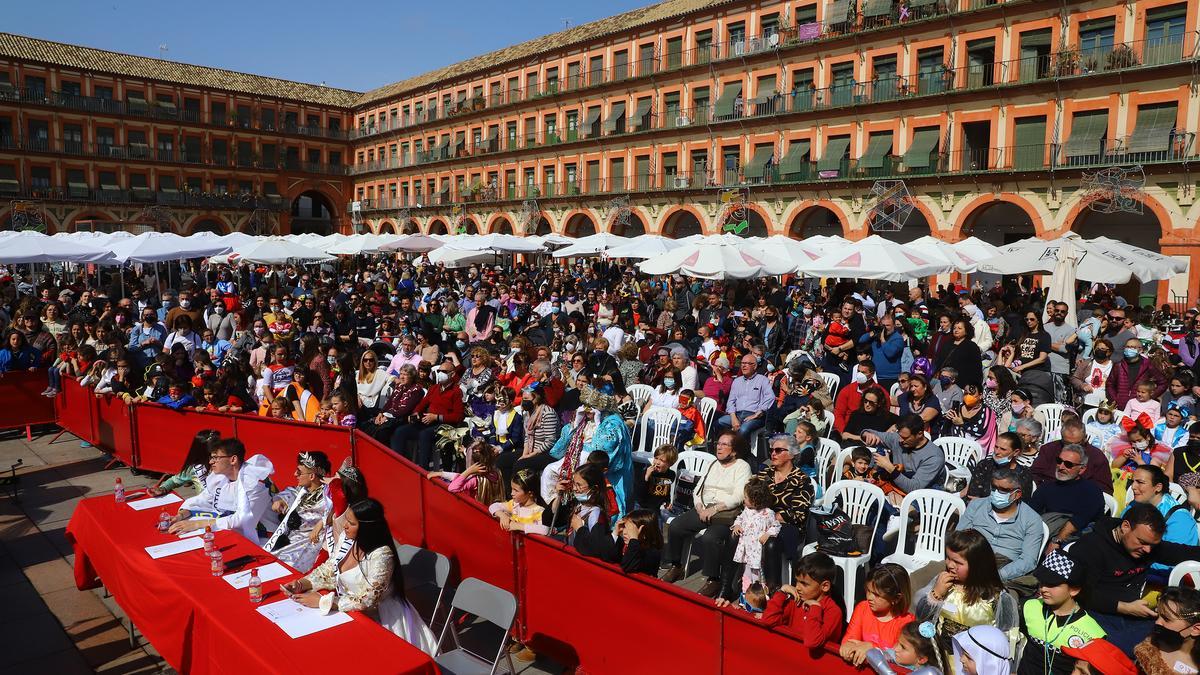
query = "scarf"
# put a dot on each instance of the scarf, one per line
(531, 422)
(574, 446)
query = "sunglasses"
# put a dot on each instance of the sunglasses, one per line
(781, 448)
(1068, 464)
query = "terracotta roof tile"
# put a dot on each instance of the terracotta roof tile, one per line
(99, 60)
(582, 33)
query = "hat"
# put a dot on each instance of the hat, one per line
(1102, 655)
(1183, 410)
(1107, 405)
(592, 397)
(1057, 569)
(66, 292)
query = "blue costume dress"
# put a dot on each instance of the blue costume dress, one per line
(612, 437)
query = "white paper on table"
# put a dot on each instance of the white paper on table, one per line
(265, 573)
(297, 620)
(174, 547)
(143, 504)
(198, 531)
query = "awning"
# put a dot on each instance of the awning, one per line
(615, 117)
(878, 147)
(766, 90)
(728, 97)
(838, 12)
(835, 150)
(1087, 132)
(873, 8)
(923, 144)
(643, 109)
(797, 158)
(459, 143)
(1153, 130)
(592, 118)
(169, 105)
(444, 191)
(493, 134)
(440, 152)
(757, 166)
(9, 185)
(1035, 38)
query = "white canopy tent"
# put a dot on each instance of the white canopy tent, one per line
(595, 244)
(644, 246)
(1095, 260)
(153, 247)
(413, 243)
(716, 258)
(272, 251)
(874, 258)
(35, 247)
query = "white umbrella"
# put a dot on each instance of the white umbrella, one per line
(975, 250)
(272, 251)
(874, 258)
(940, 251)
(35, 247)
(826, 242)
(1099, 263)
(153, 247)
(716, 258)
(553, 239)
(236, 239)
(799, 252)
(359, 244)
(459, 257)
(644, 246)
(413, 243)
(1062, 283)
(498, 243)
(1156, 259)
(590, 245)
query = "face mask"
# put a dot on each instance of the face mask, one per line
(460, 344)
(807, 311)
(1131, 354)
(970, 400)
(287, 304)
(668, 383)
(1001, 500)
(860, 378)
(945, 381)
(527, 406)
(148, 319)
(394, 299)
(1001, 461)
(770, 367)
(442, 376)
(274, 308)
(598, 352)
(1165, 639)
(1018, 408)
(220, 310)
(555, 310)
(1141, 445)
(186, 304)
(582, 496)
(331, 360)
(991, 383)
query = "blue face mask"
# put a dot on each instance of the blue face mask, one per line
(668, 382)
(555, 310)
(460, 344)
(1001, 461)
(606, 388)
(1131, 353)
(1001, 500)
(582, 496)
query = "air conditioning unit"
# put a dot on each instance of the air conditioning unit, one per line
(683, 121)
(681, 182)
(773, 40)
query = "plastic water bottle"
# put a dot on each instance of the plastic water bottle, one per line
(164, 522)
(208, 539)
(217, 562)
(119, 491)
(255, 587)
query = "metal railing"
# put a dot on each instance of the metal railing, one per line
(79, 193)
(156, 110)
(144, 152)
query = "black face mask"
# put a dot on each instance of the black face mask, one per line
(527, 406)
(1165, 639)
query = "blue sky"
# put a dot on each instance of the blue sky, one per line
(356, 45)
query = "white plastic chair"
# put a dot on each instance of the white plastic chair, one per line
(861, 501)
(832, 381)
(895, 392)
(1110, 504)
(1052, 426)
(666, 426)
(1089, 415)
(490, 603)
(708, 413)
(422, 567)
(827, 450)
(640, 393)
(1178, 493)
(829, 419)
(962, 453)
(1182, 570)
(936, 508)
(839, 462)
(696, 462)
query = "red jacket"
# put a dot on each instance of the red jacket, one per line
(814, 625)
(445, 400)
(1122, 384)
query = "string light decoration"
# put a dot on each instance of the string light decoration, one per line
(736, 216)
(891, 204)
(1115, 189)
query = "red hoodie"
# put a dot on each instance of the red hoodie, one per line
(814, 625)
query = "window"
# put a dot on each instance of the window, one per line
(166, 148)
(981, 58)
(103, 92)
(552, 81)
(596, 70)
(71, 88)
(270, 155)
(191, 109)
(841, 90)
(806, 14)
(1096, 44)
(314, 156)
(220, 151)
(217, 113)
(1035, 54)
(335, 158)
(646, 60)
(1164, 34)
(39, 177)
(674, 52)
(620, 65)
(73, 139)
(267, 118)
(39, 135)
(77, 185)
(36, 86)
(191, 149)
(737, 39)
(700, 112)
(616, 175)
(245, 153)
(932, 75)
(108, 180)
(703, 46)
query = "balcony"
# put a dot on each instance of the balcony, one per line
(889, 88)
(154, 110)
(110, 195)
(167, 155)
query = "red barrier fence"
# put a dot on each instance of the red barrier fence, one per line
(22, 403)
(570, 607)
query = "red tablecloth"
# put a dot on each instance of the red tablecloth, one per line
(199, 623)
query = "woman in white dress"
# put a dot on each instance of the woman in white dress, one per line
(302, 511)
(363, 574)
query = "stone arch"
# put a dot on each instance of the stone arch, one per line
(758, 222)
(437, 226)
(580, 224)
(636, 226)
(918, 224)
(387, 227)
(71, 221)
(1153, 211)
(206, 224)
(500, 224)
(409, 226)
(967, 217)
(821, 217)
(1146, 230)
(682, 221)
(313, 211)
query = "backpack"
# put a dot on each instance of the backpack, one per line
(681, 497)
(835, 533)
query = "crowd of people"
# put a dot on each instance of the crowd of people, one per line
(527, 388)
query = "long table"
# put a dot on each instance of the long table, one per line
(199, 623)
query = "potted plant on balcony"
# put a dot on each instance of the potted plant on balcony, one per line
(1121, 57)
(472, 191)
(1066, 63)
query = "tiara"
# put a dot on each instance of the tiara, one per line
(307, 459)
(927, 630)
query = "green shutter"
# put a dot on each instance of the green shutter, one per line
(873, 8)
(923, 144)
(838, 12)
(1087, 130)
(728, 97)
(1153, 130)
(797, 160)
(639, 115)
(1030, 143)
(835, 150)
(615, 117)
(878, 147)
(757, 166)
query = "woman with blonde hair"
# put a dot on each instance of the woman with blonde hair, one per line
(370, 382)
(478, 375)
